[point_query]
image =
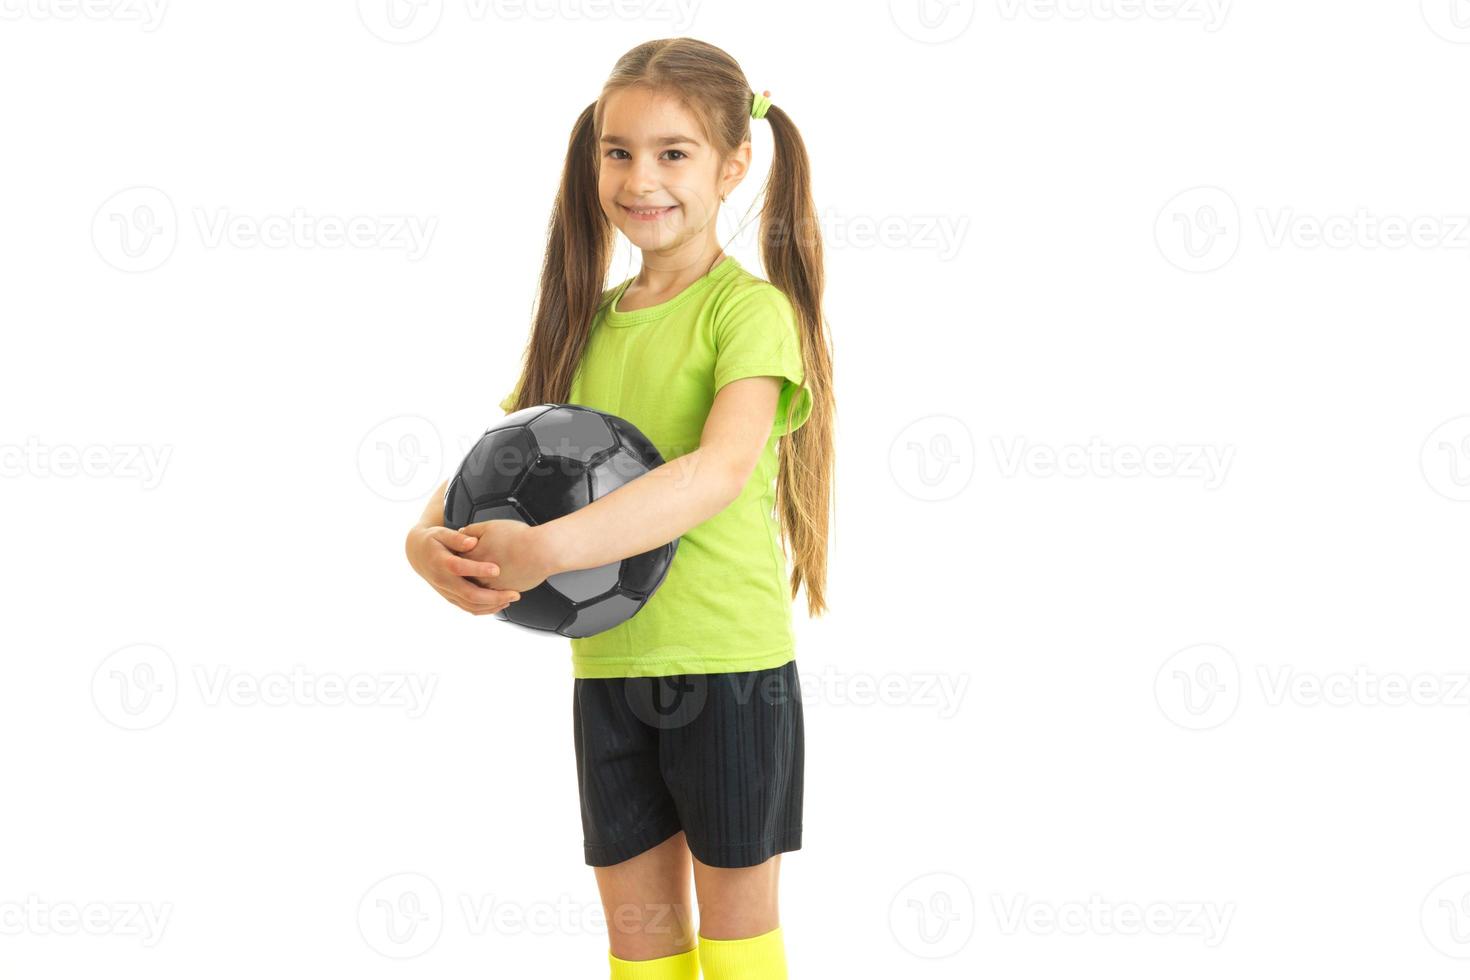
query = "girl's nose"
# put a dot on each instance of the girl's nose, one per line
(642, 178)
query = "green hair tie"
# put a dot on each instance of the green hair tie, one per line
(759, 104)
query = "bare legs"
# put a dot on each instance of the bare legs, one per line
(646, 900)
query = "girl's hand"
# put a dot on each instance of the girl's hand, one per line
(516, 548)
(431, 552)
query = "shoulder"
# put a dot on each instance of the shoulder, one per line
(746, 295)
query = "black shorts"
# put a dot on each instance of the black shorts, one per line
(716, 755)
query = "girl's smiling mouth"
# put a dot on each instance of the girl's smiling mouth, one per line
(647, 214)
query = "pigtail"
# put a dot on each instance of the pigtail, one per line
(791, 251)
(579, 243)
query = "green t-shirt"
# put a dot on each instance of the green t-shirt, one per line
(723, 605)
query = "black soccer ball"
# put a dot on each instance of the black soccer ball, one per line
(545, 462)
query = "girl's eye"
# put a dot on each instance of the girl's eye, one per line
(681, 153)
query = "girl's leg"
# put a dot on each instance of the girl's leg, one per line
(736, 903)
(734, 768)
(647, 904)
(739, 925)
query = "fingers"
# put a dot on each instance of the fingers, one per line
(454, 540)
(472, 598)
(477, 596)
(469, 568)
(476, 608)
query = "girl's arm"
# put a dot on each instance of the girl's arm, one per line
(673, 498)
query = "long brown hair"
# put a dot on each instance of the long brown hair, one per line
(579, 247)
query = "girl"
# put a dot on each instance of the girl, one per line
(687, 718)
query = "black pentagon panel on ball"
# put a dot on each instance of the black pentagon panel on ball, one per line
(641, 574)
(539, 609)
(619, 468)
(457, 504)
(573, 432)
(636, 442)
(601, 615)
(497, 462)
(554, 487)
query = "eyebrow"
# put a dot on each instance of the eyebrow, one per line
(660, 140)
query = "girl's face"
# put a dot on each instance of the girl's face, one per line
(658, 179)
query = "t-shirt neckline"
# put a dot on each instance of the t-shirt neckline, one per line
(623, 318)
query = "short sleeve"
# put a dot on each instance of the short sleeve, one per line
(757, 335)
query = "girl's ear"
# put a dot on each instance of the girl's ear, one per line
(737, 165)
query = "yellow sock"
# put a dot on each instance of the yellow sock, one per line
(680, 966)
(760, 957)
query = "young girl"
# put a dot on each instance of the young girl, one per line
(687, 717)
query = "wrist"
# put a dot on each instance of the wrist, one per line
(546, 548)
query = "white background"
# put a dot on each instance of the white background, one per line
(1176, 693)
